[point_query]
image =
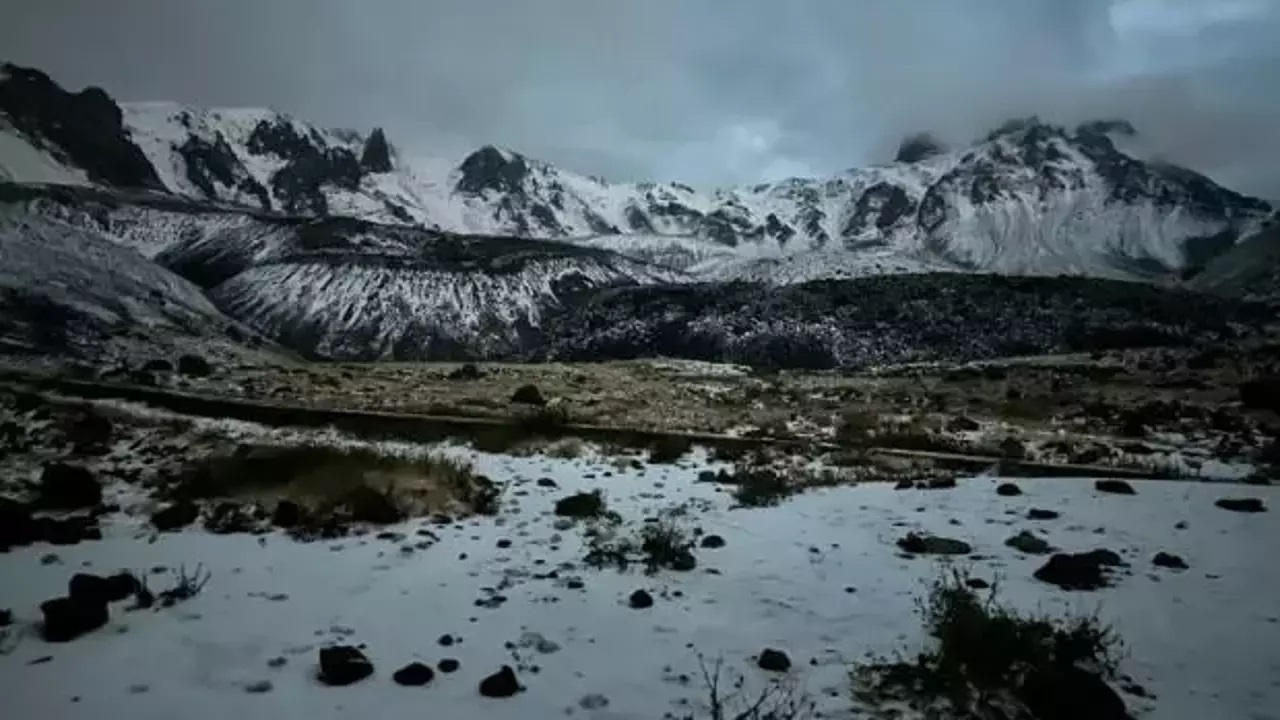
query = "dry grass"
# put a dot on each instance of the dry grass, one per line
(321, 477)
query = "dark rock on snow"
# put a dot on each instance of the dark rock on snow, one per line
(583, 504)
(448, 665)
(67, 618)
(640, 600)
(6, 618)
(1242, 505)
(1066, 692)
(1078, 571)
(287, 514)
(343, 665)
(528, 395)
(1028, 543)
(413, 675)
(933, 545)
(1008, 490)
(773, 660)
(712, 542)
(175, 516)
(1042, 514)
(501, 684)
(1169, 560)
(1115, 487)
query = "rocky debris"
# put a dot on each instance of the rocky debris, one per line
(546, 482)
(904, 484)
(593, 701)
(343, 665)
(962, 423)
(415, 674)
(773, 660)
(1114, 487)
(580, 505)
(258, 687)
(66, 618)
(68, 487)
(1028, 543)
(1242, 505)
(175, 516)
(448, 665)
(1169, 560)
(640, 599)
(502, 684)
(1078, 571)
(1008, 490)
(69, 530)
(923, 544)
(194, 366)
(712, 542)
(528, 395)
(938, 483)
(376, 155)
(445, 640)
(1042, 514)
(1066, 692)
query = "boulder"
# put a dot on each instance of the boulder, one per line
(502, 684)
(1114, 487)
(67, 618)
(528, 395)
(773, 660)
(68, 487)
(1042, 514)
(1008, 490)
(343, 665)
(640, 600)
(1242, 505)
(1078, 571)
(1169, 560)
(1028, 543)
(414, 674)
(371, 506)
(175, 516)
(933, 545)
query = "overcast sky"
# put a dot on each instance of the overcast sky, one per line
(704, 91)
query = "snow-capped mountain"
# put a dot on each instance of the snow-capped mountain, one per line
(1030, 198)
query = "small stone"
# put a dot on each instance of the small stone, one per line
(546, 482)
(414, 674)
(712, 542)
(773, 660)
(640, 600)
(977, 583)
(445, 640)
(175, 516)
(594, 701)
(50, 559)
(1028, 543)
(1169, 560)
(278, 661)
(933, 545)
(448, 665)
(1042, 514)
(501, 684)
(1008, 490)
(503, 544)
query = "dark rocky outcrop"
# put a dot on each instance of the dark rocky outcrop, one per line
(493, 170)
(87, 127)
(1065, 692)
(528, 395)
(376, 156)
(1169, 560)
(194, 366)
(68, 487)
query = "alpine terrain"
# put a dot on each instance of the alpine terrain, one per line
(295, 422)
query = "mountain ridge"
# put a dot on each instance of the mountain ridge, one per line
(1029, 198)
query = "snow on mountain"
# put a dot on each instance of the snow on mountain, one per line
(1030, 198)
(73, 292)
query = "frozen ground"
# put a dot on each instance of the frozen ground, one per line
(818, 576)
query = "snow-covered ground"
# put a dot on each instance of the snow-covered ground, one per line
(818, 577)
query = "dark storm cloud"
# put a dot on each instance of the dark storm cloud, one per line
(706, 91)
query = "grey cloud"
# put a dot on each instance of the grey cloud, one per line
(703, 91)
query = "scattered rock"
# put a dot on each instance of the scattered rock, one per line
(1008, 490)
(228, 517)
(919, 544)
(66, 619)
(414, 674)
(1042, 514)
(593, 701)
(1242, 505)
(194, 366)
(448, 665)
(640, 600)
(1028, 543)
(175, 516)
(546, 482)
(501, 684)
(343, 665)
(773, 660)
(468, 371)
(977, 583)
(962, 423)
(90, 432)
(1078, 571)
(904, 484)
(712, 542)
(503, 543)
(445, 640)
(1066, 692)
(528, 395)
(68, 487)
(1115, 487)
(1169, 560)
(583, 504)
(94, 589)
(278, 661)
(939, 483)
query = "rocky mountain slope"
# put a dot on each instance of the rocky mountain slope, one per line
(1030, 198)
(1249, 270)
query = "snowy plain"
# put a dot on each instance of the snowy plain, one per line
(818, 577)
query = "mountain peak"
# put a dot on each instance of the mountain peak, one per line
(492, 168)
(919, 146)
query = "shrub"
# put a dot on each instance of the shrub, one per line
(659, 545)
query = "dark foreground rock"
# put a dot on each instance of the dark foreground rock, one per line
(414, 674)
(1114, 487)
(67, 618)
(1078, 571)
(1169, 560)
(1028, 543)
(501, 684)
(640, 599)
(68, 487)
(1242, 505)
(919, 544)
(1065, 692)
(1008, 490)
(773, 660)
(343, 665)
(176, 516)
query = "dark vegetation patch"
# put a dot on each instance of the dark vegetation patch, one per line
(984, 658)
(664, 544)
